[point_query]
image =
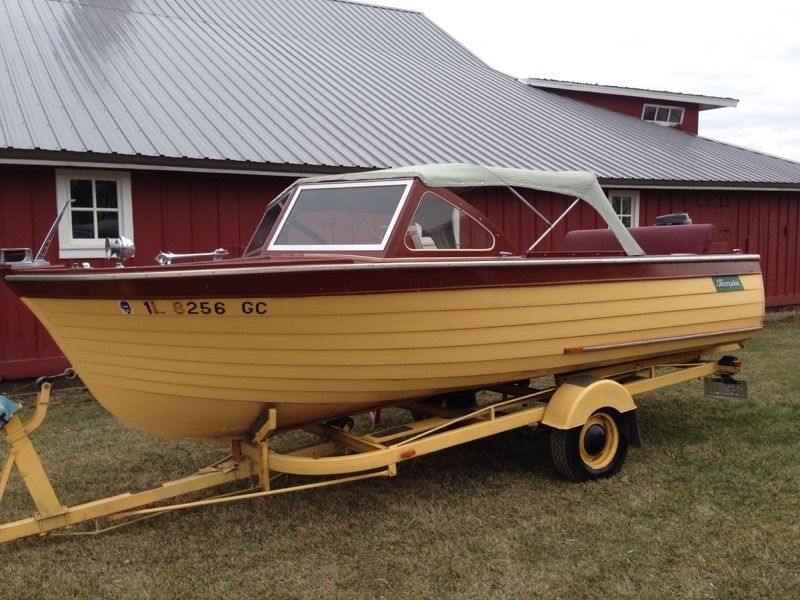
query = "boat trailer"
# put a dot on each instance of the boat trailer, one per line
(591, 415)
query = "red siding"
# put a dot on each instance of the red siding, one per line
(180, 212)
(523, 227)
(25, 347)
(629, 105)
(765, 223)
(184, 212)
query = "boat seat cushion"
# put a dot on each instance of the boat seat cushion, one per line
(669, 239)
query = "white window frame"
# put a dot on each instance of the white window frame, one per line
(91, 248)
(634, 196)
(666, 123)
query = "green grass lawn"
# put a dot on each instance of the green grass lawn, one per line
(709, 507)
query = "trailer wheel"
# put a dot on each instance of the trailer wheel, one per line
(595, 449)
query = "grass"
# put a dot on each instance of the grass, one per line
(707, 508)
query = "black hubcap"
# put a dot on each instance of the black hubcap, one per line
(594, 440)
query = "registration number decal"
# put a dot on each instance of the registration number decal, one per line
(205, 307)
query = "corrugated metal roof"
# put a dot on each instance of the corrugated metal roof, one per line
(311, 82)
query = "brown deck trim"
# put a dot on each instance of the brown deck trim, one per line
(365, 278)
(347, 262)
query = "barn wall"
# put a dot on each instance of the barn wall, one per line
(25, 347)
(765, 223)
(184, 212)
(180, 212)
(522, 226)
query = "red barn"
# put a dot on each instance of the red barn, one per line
(173, 123)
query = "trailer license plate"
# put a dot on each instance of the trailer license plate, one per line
(719, 388)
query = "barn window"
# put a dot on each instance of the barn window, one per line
(626, 205)
(100, 209)
(663, 115)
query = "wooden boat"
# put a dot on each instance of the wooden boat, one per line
(368, 289)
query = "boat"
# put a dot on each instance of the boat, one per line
(369, 289)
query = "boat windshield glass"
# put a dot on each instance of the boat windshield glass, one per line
(349, 216)
(438, 225)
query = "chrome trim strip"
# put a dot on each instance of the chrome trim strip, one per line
(677, 338)
(163, 273)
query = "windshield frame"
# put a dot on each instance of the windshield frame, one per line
(287, 211)
(249, 250)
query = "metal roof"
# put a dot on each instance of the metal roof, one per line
(310, 83)
(703, 102)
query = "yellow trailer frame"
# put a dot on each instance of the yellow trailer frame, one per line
(576, 409)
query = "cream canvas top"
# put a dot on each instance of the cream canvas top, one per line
(578, 184)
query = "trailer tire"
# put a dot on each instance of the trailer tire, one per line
(593, 450)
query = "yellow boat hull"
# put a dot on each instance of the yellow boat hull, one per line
(181, 375)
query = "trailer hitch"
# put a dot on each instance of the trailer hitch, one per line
(723, 385)
(729, 364)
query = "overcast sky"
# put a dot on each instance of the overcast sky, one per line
(744, 50)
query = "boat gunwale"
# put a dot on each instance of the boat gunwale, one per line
(389, 264)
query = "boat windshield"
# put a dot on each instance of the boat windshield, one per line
(352, 216)
(269, 219)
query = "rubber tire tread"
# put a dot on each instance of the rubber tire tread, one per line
(567, 459)
(563, 458)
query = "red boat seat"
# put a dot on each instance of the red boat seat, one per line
(668, 239)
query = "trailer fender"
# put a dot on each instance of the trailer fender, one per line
(580, 396)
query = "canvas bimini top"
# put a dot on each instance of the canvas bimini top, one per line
(577, 184)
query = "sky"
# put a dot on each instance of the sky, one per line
(744, 50)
